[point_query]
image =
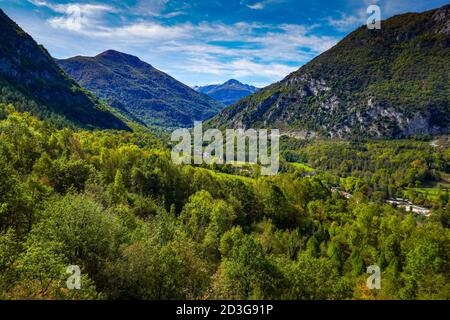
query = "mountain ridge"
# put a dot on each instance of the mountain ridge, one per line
(129, 83)
(390, 83)
(229, 92)
(33, 82)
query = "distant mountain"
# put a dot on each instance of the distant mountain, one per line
(31, 80)
(392, 82)
(130, 84)
(229, 92)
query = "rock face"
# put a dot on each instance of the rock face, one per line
(392, 82)
(131, 85)
(31, 80)
(229, 92)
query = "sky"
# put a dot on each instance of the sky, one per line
(202, 42)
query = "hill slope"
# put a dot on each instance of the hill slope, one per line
(380, 83)
(131, 84)
(31, 80)
(228, 92)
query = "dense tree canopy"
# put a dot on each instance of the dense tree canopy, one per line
(140, 227)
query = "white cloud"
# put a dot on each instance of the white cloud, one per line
(256, 6)
(346, 22)
(269, 52)
(239, 68)
(75, 16)
(150, 7)
(154, 8)
(144, 31)
(359, 16)
(261, 5)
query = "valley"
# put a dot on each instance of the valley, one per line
(88, 178)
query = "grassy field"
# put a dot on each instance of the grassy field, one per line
(303, 167)
(445, 183)
(429, 193)
(432, 192)
(233, 176)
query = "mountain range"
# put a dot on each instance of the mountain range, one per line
(131, 85)
(228, 92)
(389, 83)
(392, 82)
(31, 80)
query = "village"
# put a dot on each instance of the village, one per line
(405, 204)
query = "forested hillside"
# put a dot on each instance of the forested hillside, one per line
(140, 227)
(392, 82)
(133, 86)
(33, 82)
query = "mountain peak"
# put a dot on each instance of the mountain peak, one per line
(30, 77)
(120, 57)
(233, 81)
(112, 53)
(228, 92)
(346, 92)
(144, 92)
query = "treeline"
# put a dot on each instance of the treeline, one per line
(140, 227)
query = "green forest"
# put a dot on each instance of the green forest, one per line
(140, 227)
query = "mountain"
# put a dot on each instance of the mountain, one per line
(392, 82)
(229, 92)
(130, 84)
(31, 80)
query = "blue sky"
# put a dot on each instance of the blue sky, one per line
(202, 41)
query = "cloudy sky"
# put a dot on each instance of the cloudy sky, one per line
(202, 41)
